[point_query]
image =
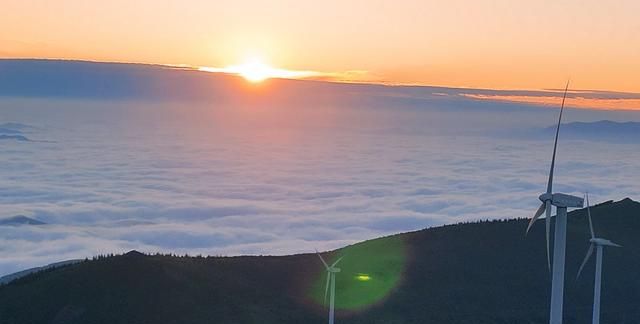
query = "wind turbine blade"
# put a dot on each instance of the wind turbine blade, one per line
(326, 288)
(535, 217)
(547, 225)
(321, 259)
(615, 244)
(555, 143)
(586, 258)
(335, 263)
(593, 234)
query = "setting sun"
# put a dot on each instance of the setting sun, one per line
(254, 70)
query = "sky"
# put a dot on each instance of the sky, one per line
(182, 157)
(497, 44)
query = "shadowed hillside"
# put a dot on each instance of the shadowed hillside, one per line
(486, 272)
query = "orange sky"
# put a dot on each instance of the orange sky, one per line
(488, 44)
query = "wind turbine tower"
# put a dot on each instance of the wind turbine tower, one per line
(562, 202)
(331, 283)
(599, 244)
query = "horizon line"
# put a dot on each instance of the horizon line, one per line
(578, 102)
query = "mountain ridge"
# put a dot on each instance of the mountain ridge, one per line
(483, 272)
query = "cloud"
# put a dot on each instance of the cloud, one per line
(216, 178)
(578, 99)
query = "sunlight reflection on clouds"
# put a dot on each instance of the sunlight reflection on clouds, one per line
(183, 179)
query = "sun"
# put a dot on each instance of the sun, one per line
(255, 70)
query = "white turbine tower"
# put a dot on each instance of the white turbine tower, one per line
(599, 243)
(562, 202)
(331, 281)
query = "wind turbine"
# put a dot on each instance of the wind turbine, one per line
(562, 202)
(331, 281)
(599, 243)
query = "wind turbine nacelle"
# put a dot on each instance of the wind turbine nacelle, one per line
(564, 200)
(334, 270)
(545, 197)
(603, 242)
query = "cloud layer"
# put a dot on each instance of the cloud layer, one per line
(211, 178)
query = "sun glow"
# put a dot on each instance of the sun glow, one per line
(254, 70)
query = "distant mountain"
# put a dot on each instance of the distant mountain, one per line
(41, 78)
(15, 126)
(9, 131)
(126, 222)
(20, 138)
(604, 130)
(36, 78)
(14, 129)
(14, 132)
(486, 272)
(20, 220)
(11, 277)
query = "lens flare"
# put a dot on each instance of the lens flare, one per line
(369, 272)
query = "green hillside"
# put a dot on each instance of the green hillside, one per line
(486, 272)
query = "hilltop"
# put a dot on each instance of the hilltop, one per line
(485, 272)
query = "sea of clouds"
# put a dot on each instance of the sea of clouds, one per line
(108, 176)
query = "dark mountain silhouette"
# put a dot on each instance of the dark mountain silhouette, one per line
(484, 272)
(20, 220)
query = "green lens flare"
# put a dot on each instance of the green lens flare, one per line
(369, 272)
